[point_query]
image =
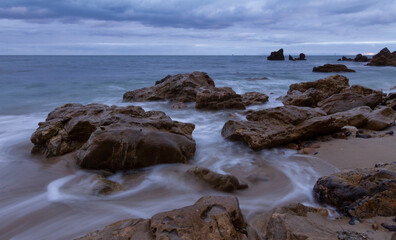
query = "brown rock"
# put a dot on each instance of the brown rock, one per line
(277, 55)
(380, 118)
(215, 218)
(383, 58)
(361, 193)
(179, 106)
(360, 58)
(220, 182)
(254, 98)
(332, 68)
(114, 138)
(219, 98)
(308, 94)
(104, 186)
(179, 87)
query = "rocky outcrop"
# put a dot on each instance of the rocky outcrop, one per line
(332, 68)
(345, 59)
(308, 94)
(114, 138)
(300, 57)
(254, 98)
(217, 181)
(360, 58)
(179, 88)
(217, 218)
(276, 55)
(361, 193)
(219, 98)
(383, 58)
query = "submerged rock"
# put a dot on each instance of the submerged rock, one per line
(104, 186)
(217, 218)
(277, 55)
(220, 182)
(114, 138)
(332, 68)
(383, 58)
(361, 193)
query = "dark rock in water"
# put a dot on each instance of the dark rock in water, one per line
(360, 58)
(179, 87)
(215, 218)
(345, 59)
(253, 98)
(114, 138)
(308, 94)
(360, 193)
(301, 56)
(104, 186)
(277, 55)
(220, 182)
(291, 58)
(332, 68)
(179, 106)
(383, 58)
(257, 78)
(219, 98)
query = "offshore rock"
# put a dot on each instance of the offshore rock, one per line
(360, 58)
(332, 68)
(179, 88)
(360, 193)
(215, 218)
(114, 138)
(253, 98)
(277, 55)
(219, 98)
(383, 58)
(220, 182)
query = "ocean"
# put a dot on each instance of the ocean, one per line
(50, 199)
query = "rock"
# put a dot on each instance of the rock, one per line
(277, 55)
(219, 98)
(360, 58)
(390, 227)
(179, 106)
(301, 56)
(350, 131)
(383, 58)
(291, 58)
(308, 94)
(104, 186)
(179, 87)
(345, 59)
(360, 193)
(254, 98)
(332, 68)
(352, 235)
(349, 98)
(220, 182)
(216, 218)
(257, 78)
(380, 118)
(114, 138)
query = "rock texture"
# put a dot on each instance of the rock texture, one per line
(383, 58)
(179, 88)
(114, 138)
(332, 68)
(361, 193)
(220, 182)
(215, 218)
(276, 55)
(219, 98)
(253, 98)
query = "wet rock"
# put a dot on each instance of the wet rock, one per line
(383, 58)
(308, 94)
(179, 87)
(217, 218)
(254, 98)
(360, 58)
(104, 186)
(277, 55)
(352, 235)
(279, 126)
(361, 193)
(179, 106)
(219, 98)
(220, 182)
(114, 138)
(332, 68)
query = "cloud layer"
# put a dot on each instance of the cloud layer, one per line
(193, 27)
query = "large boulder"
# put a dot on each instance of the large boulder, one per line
(114, 138)
(308, 94)
(381, 118)
(220, 182)
(279, 126)
(383, 58)
(179, 88)
(253, 98)
(332, 68)
(216, 218)
(219, 98)
(360, 58)
(361, 193)
(276, 55)
(352, 97)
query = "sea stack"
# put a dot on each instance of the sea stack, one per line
(277, 55)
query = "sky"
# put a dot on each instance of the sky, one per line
(190, 27)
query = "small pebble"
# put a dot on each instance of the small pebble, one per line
(375, 226)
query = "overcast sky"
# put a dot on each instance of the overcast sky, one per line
(248, 27)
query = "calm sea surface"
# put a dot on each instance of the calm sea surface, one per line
(51, 200)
